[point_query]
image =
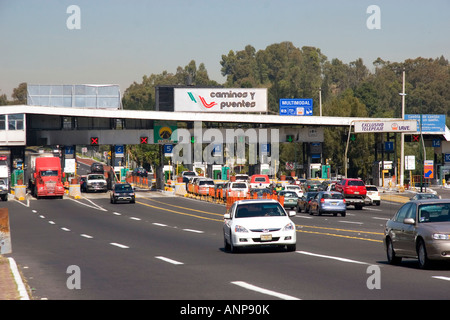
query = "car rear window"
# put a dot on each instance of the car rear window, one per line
(239, 185)
(206, 182)
(332, 196)
(356, 183)
(371, 188)
(261, 179)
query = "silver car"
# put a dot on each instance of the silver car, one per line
(420, 229)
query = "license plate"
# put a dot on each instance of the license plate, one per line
(266, 237)
(356, 192)
(334, 203)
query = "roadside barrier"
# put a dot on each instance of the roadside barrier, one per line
(20, 192)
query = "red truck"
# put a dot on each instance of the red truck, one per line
(354, 192)
(46, 179)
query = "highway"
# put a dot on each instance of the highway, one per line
(171, 248)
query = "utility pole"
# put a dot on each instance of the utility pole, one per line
(402, 142)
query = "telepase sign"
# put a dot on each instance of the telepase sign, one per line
(220, 99)
(385, 126)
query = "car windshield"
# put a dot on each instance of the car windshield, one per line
(49, 173)
(259, 210)
(437, 212)
(96, 177)
(123, 187)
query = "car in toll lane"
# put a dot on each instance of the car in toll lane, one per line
(122, 192)
(423, 196)
(96, 182)
(290, 199)
(420, 229)
(328, 202)
(258, 222)
(373, 194)
(304, 200)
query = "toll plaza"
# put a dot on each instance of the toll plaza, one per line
(201, 126)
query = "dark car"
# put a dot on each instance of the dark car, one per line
(140, 172)
(97, 167)
(303, 201)
(122, 192)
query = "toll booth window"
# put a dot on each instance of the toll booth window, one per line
(15, 122)
(2, 122)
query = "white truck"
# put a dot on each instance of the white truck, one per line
(4, 178)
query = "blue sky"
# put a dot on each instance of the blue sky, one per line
(121, 41)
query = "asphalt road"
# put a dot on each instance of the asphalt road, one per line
(171, 248)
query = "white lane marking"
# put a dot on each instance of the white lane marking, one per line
(117, 214)
(159, 224)
(51, 222)
(441, 278)
(119, 245)
(380, 218)
(372, 209)
(304, 217)
(169, 260)
(134, 218)
(352, 222)
(18, 279)
(192, 230)
(65, 229)
(86, 236)
(94, 206)
(331, 257)
(264, 291)
(42, 217)
(34, 211)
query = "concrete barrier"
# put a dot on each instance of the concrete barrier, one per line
(75, 191)
(20, 192)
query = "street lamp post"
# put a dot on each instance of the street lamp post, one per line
(402, 144)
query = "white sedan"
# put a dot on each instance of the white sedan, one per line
(258, 222)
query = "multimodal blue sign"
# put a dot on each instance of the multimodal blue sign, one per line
(296, 107)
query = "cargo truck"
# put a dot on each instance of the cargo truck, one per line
(4, 178)
(46, 179)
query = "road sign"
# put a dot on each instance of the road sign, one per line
(119, 151)
(428, 169)
(410, 162)
(436, 143)
(296, 107)
(144, 140)
(94, 141)
(168, 150)
(388, 146)
(434, 123)
(447, 157)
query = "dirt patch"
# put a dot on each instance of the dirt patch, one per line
(8, 286)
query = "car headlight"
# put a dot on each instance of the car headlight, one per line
(239, 228)
(440, 236)
(289, 227)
